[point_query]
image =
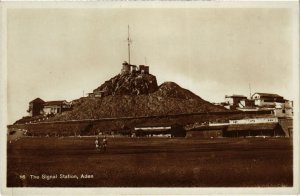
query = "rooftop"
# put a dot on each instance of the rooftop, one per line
(268, 95)
(232, 96)
(50, 103)
(37, 100)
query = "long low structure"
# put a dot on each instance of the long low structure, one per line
(254, 121)
(173, 131)
(152, 128)
(257, 129)
(251, 127)
(247, 121)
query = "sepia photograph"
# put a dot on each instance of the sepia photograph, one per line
(141, 95)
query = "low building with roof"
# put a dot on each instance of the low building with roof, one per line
(254, 129)
(56, 107)
(40, 107)
(172, 131)
(234, 100)
(247, 127)
(261, 99)
(274, 102)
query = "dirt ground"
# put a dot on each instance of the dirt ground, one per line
(150, 162)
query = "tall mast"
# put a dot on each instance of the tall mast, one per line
(129, 41)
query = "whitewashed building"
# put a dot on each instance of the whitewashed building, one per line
(56, 107)
(267, 99)
(276, 103)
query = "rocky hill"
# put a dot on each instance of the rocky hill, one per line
(132, 94)
(169, 98)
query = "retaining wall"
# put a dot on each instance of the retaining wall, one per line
(125, 125)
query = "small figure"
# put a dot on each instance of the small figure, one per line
(104, 143)
(97, 143)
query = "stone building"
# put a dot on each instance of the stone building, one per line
(128, 69)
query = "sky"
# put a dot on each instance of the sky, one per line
(56, 54)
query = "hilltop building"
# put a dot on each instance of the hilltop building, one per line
(136, 77)
(126, 68)
(97, 93)
(143, 69)
(132, 69)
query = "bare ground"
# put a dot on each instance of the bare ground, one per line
(152, 162)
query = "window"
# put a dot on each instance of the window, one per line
(283, 111)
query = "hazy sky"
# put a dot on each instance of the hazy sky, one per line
(57, 54)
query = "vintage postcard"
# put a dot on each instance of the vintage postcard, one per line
(150, 98)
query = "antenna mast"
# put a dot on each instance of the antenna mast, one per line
(129, 41)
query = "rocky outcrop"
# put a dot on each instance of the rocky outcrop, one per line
(128, 84)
